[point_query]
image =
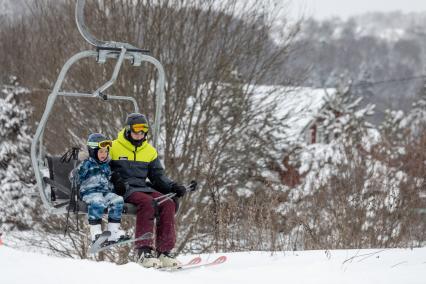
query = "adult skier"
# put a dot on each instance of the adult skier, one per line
(133, 160)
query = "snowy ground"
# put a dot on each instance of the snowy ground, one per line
(344, 266)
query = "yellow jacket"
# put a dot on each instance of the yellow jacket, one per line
(135, 164)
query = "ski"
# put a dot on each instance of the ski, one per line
(98, 243)
(193, 261)
(190, 265)
(103, 246)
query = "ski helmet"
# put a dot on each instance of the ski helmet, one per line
(95, 141)
(137, 122)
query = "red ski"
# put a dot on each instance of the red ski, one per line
(217, 261)
(193, 261)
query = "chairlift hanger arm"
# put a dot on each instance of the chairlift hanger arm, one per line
(99, 91)
(106, 48)
(99, 44)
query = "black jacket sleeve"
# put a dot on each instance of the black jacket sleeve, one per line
(158, 178)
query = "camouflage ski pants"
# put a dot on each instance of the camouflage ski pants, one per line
(98, 201)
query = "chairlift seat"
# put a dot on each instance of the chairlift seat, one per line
(60, 186)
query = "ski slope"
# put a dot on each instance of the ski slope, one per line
(342, 266)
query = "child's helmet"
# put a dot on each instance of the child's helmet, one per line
(95, 141)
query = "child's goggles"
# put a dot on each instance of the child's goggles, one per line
(140, 127)
(102, 144)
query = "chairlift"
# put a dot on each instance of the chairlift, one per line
(51, 172)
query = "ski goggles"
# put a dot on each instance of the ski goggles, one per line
(102, 144)
(140, 127)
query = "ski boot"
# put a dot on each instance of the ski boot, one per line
(168, 260)
(148, 258)
(117, 235)
(95, 232)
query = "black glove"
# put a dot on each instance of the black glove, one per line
(180, 190)
(192, 186)
(119, 184)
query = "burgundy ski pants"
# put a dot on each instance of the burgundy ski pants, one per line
(165, 227)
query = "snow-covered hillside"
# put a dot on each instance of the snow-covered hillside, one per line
(342, 266)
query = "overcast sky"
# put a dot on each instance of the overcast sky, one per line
(321, 9)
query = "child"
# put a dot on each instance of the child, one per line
(96, 190)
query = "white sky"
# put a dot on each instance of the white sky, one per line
(321, 9)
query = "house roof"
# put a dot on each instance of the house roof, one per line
(297, 107)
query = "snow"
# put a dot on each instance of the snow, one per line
(334, 266)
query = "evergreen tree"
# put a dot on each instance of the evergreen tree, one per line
(16, 177)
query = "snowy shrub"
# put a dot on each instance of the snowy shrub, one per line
(350, 196)
(16, 176)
